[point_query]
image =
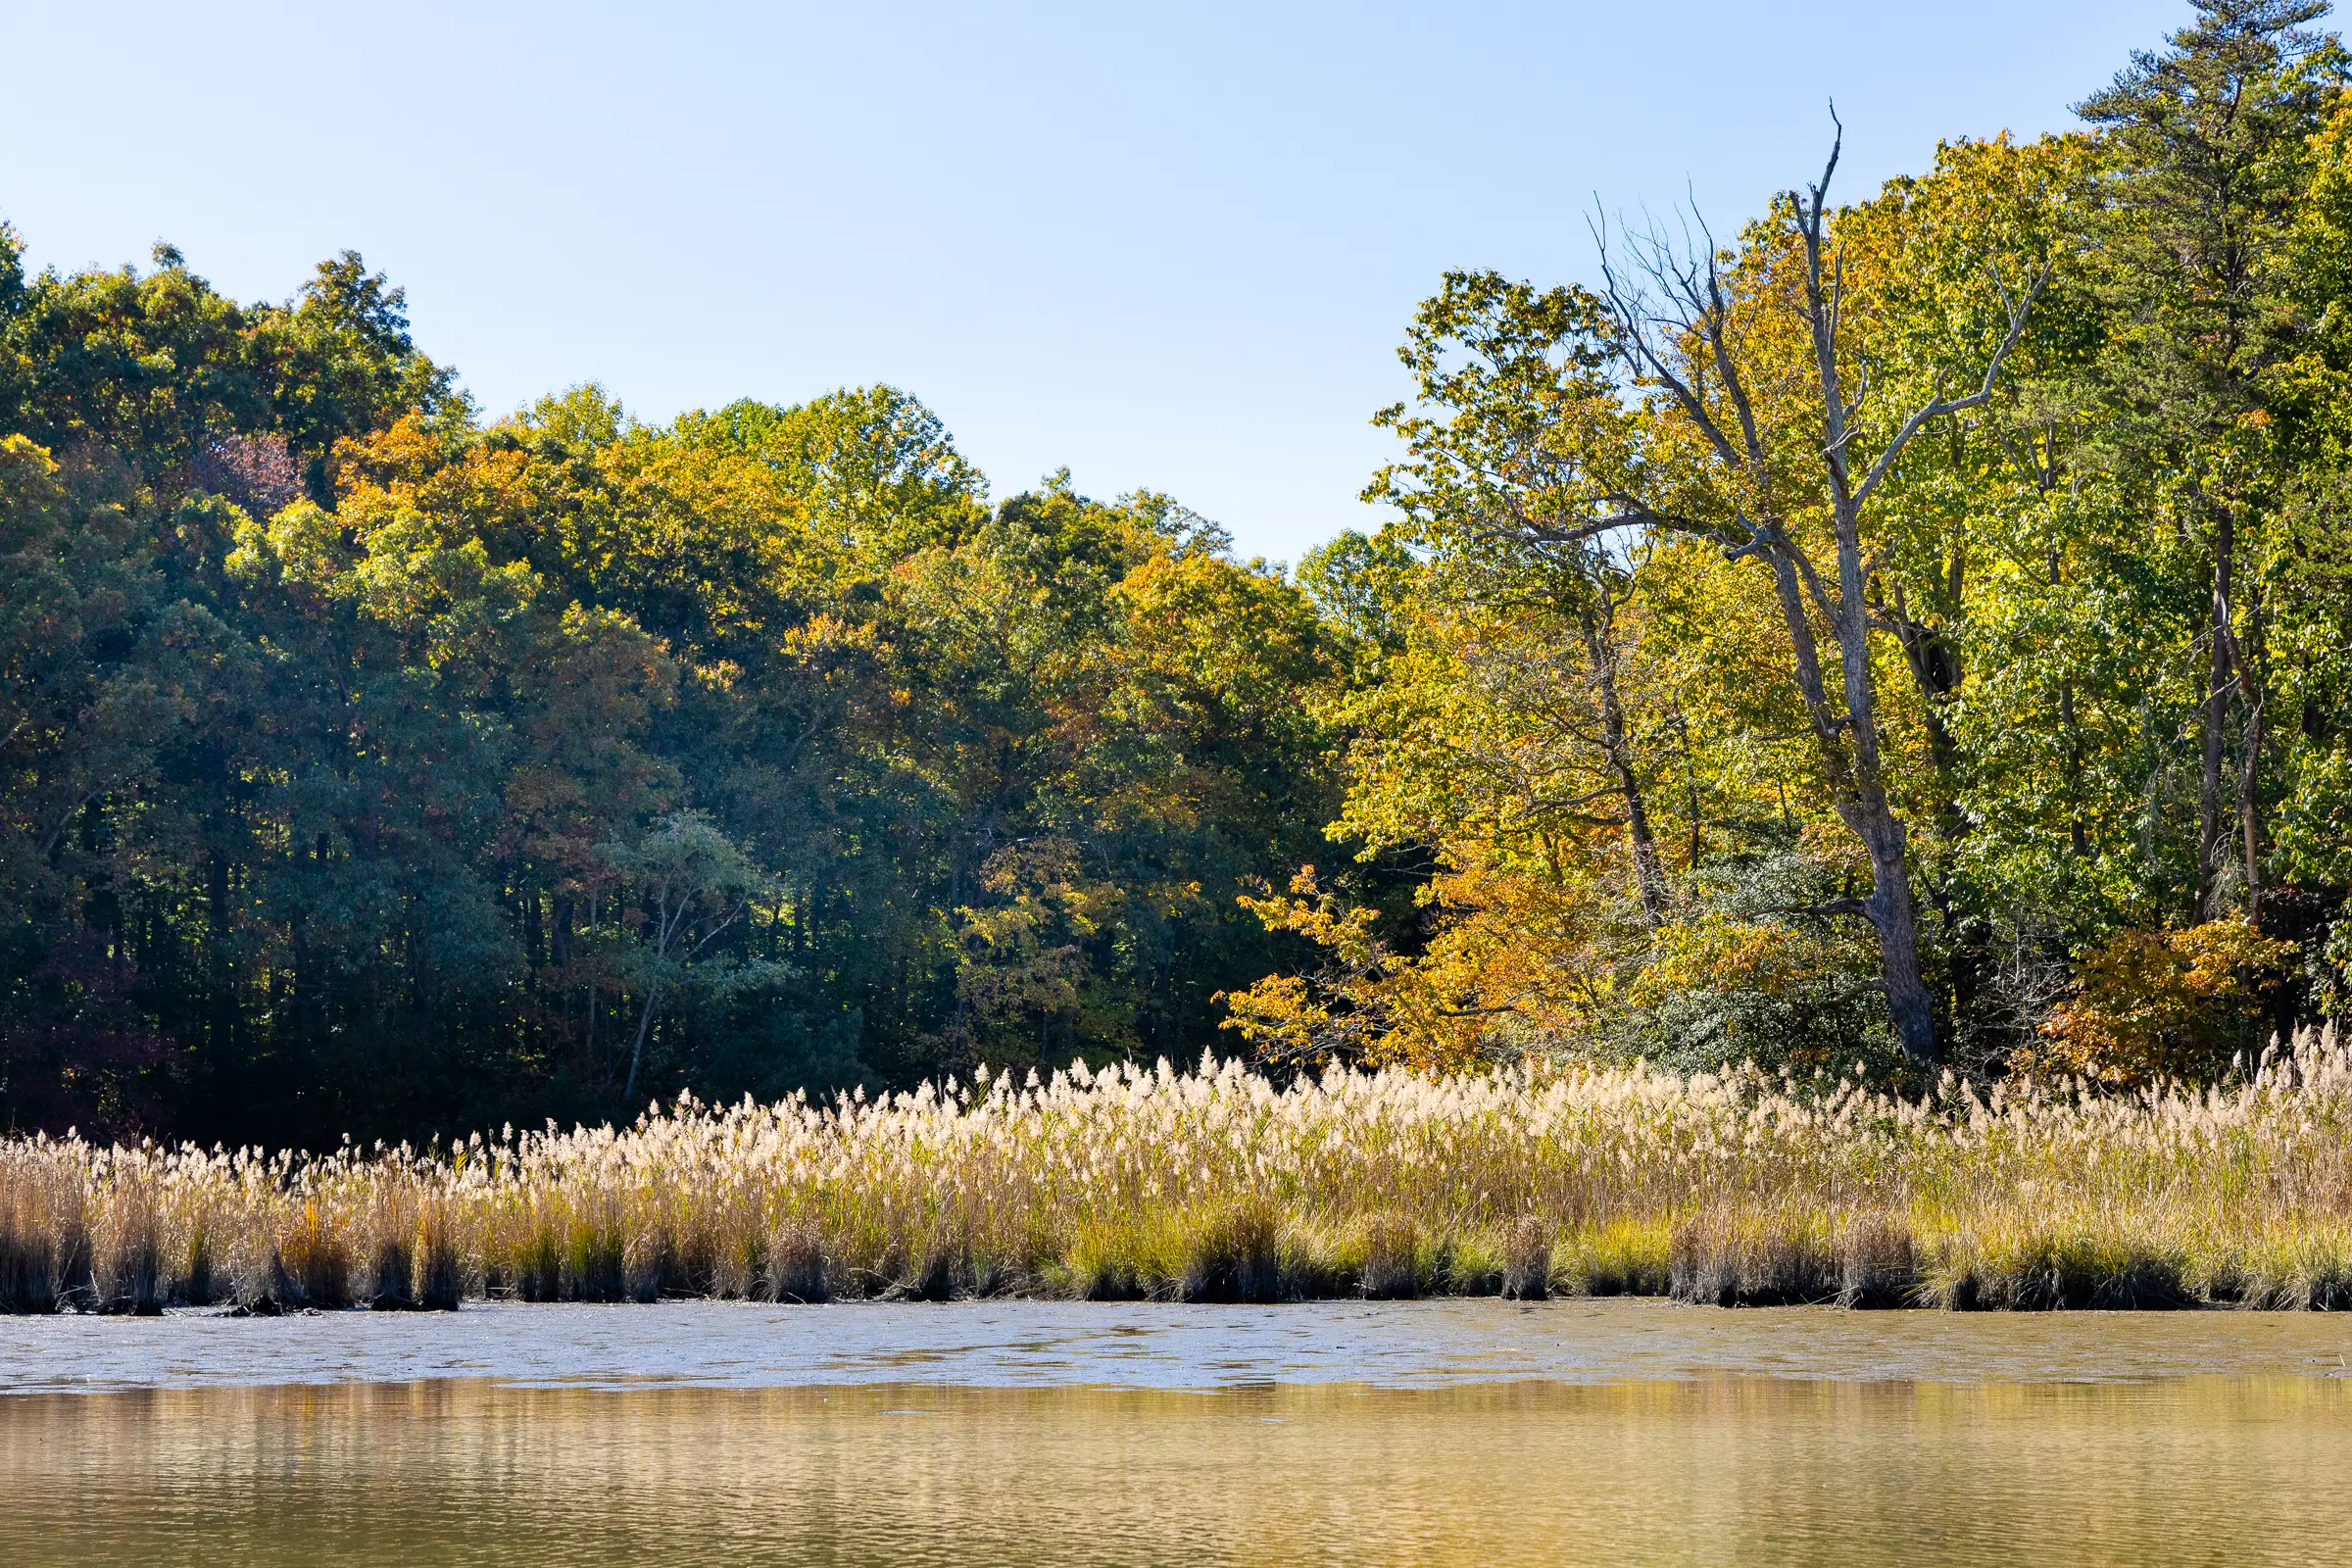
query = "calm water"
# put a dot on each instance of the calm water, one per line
(1422, 1432)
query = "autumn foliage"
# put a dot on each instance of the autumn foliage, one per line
(2151, 1006)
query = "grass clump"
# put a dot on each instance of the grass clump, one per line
(1527, 1260)
(793, 1268)
(1234, 1255)
(1390, 1270)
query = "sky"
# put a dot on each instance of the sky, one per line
(1170, 247)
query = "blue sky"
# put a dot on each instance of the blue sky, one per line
(1171, 247)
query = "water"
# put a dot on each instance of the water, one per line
(1030, 1433)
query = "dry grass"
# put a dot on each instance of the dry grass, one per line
(1215, 1185)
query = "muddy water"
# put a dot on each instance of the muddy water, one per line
(1421, 1433)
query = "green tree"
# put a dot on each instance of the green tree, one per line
(692, 884)
(2211, 151)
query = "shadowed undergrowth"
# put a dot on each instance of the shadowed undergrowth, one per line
(1216, 1186)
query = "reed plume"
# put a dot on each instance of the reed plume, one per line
(1218, 1185)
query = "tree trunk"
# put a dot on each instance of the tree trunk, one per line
(2070, 742)
(1935, 671)
(645, 1021)
(1685, 341)
(2217, 714)
(1601, 659)
(666, 925)
(2246, 655)
(220, 1003)
(594, 996)
(1893, 913)
(1846, 733)
(1849, 739)
(1895, 920)
(2078, 834)
(2249, 807)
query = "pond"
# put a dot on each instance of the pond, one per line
(1435, 1432)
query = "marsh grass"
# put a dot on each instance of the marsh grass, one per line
(1527, 1259)
(126, 1263)
(1217, 1186)
(794, 1268)
(1235, 1256)
(1391, 1267)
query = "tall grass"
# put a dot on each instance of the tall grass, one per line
(1216, 1185)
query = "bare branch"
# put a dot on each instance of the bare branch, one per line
(1711, 327)
(1807, 571)
(1936, 407)
(1852, 412)
(1697, 310)
(1853, 908)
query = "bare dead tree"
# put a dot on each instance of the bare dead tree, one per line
(1677, 333)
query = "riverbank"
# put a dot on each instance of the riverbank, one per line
(1216, 1186)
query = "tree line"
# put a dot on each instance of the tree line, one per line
(370, 766)
(1910, 631)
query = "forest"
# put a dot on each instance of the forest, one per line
(1910, 634)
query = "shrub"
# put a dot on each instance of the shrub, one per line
(2167, 1004)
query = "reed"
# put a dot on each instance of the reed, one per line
(1235, 1256)
(1216, 1185)
(1527, 1263)
(126, 1246)
(1390, 1270)
(794, 1266)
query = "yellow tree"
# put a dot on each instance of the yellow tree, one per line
(1759, 431)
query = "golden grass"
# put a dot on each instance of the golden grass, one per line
(1216, 1186)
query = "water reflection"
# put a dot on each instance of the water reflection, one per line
(1045, 1344)
(1730, 1470)
(1436, 1432)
